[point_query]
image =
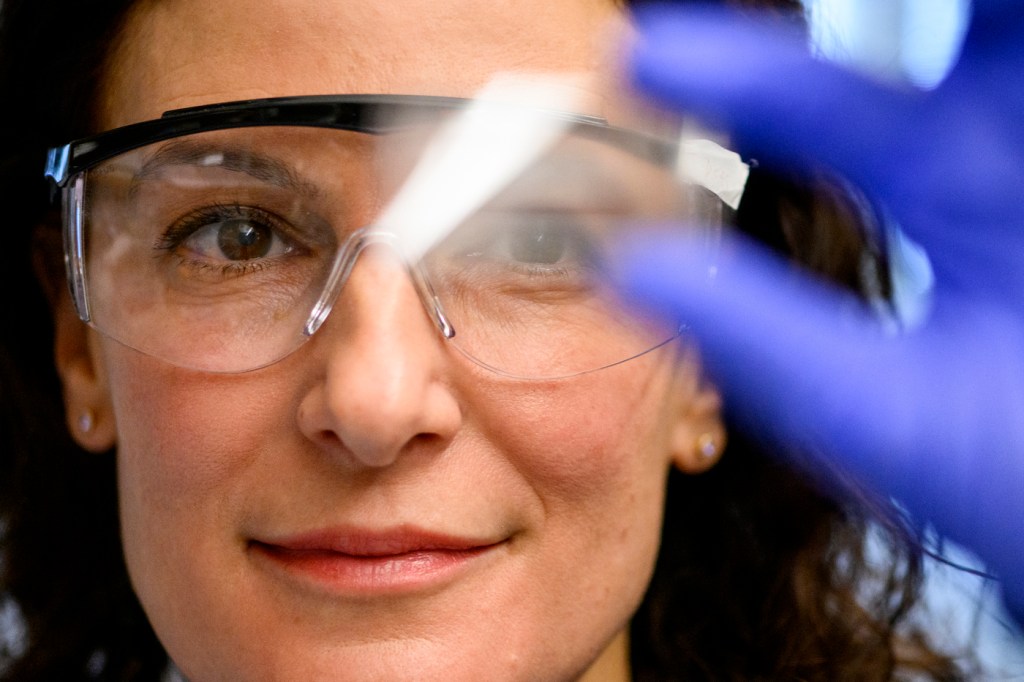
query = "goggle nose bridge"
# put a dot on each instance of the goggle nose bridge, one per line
(345, 262)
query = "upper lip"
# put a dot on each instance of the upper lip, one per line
(361, 542)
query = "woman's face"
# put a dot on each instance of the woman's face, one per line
(373, 506)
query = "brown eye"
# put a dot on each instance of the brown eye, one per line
(241, 239)
(232, 234)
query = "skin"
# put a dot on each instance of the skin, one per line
(377, 422)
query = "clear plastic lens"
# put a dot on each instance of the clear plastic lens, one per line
(213, 251)
(208, 251)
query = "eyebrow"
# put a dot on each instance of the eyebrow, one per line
(230, 157)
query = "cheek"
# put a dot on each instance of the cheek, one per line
(595, 453)
(577, 437)
(184, 435)
(192, 458)
(188, 450)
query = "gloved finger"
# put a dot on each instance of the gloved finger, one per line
(806, 367)
(759, 81)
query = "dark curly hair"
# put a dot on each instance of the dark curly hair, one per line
(771, 582)
(763, 572)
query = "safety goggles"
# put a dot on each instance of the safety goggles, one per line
(221, 238)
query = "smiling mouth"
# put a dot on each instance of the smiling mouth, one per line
(358, 563)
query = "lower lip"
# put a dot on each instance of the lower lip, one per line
(372, 575)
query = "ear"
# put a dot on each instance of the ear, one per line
(698, 436)
(90, 415)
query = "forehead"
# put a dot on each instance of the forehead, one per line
(178, 53)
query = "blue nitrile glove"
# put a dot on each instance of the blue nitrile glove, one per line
(934, 417)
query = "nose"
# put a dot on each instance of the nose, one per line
(384, 386)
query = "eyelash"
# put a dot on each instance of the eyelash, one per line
(172, 239)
